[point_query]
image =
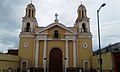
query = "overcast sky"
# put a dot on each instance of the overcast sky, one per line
(12, 11)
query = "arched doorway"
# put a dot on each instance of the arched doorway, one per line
(55, 61)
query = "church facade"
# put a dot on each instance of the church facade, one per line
(56, 47)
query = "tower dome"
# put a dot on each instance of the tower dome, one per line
(30, 6)
(30, 10)
(81, 7)
(29, 20)
(82, 11)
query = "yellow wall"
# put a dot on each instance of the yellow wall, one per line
(70, 53)
(41, 51)
(84, 53)
(95, 64)
(9, 61)
(107, 61)
(51, 32)
(29, 52)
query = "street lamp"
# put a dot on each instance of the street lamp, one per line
(100, 59)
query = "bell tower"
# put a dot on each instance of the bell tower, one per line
(29, 22)
(27, 37)
(84, 38)
(82, 11)
(82, 21)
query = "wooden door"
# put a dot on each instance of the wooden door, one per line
(55, 61)
(117, 66)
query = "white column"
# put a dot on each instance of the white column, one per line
(44, 56)
(37, 53)
(28, 70)
(74, 53)
(80, 70)
(9, 70)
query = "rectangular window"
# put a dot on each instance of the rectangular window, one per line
(86, 65)
(24, 65)
(56, 34)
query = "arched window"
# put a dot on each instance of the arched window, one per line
(29, 12)
(83, 27)
(56, 33)
(32, 13)
(28, 27)
(82, 13)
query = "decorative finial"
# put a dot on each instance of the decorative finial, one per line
(81, 2)
(56, 18)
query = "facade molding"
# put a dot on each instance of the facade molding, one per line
(41, 33)
(56, 39)
(85, 36)
(30, 36)
(70, 37)
(41, 37)
(70, 34)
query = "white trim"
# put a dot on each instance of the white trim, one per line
(85, 45)
(70, 34)
(56, 39)
(70, 37)
(87, 62)
(74, 54)
(85, 36)
(26, 35)
(26, 44)
(42, 33)
(26, 63)
(41, 37)
(37, 53)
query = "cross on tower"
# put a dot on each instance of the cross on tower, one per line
(56, 17)
(81, 2)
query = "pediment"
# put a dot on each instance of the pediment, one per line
(58, 25)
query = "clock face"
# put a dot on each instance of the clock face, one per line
(85, 45)
(26, 44)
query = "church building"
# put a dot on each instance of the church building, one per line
(56, 47)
